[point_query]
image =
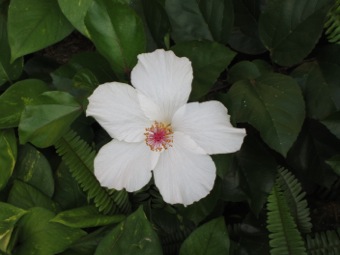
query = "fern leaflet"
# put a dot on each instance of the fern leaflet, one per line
(324, 243)
(332, 24)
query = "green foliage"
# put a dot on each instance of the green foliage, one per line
(8, 147)
(324, 243)
(332, 24)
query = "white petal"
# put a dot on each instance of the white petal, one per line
(121, 165)
(116, 108)
(208, 124)
(165, 79)
(183, 176)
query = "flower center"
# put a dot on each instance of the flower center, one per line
(159, 136)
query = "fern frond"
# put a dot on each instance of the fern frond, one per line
(324, 243)
(295, 198)
(284, 235)
(332, 24)
(79, 157)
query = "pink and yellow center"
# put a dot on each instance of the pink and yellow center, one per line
(159, 136)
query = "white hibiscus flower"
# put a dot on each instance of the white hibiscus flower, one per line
(154, 129)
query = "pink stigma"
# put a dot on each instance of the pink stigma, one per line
(159, 136)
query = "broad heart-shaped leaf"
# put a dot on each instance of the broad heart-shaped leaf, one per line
(208, 59)
(86, 217)
(332, 122)
(209, 239)
(34, 25)
(76, 17)
(200, 20)
(26, 196)
(118, 34)
(132, 236)
(48, 118)
(38, 236)
(8, 155)
(248, 70)
(14, 99)
(273, 104)
(8, 71)
(33, 168)
(290, 29)
(8, 218)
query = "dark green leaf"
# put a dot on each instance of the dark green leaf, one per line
(8, 155)
(33, 168)
(208, 59)
(273, 104)
(14, 99)
(290, 29)
(34, 25)
(332, 122)
(117, 33)
(39, 236)
(26, 196)
(86, 217)
(48, 118)
(133, 236)
(247, 70)
(334, 162)
(209, 239)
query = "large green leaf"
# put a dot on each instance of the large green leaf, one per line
(48, 118)
(8, 71)
(39, 236)
(273, 104)
(290, 29)
(76, 17)
(334, 162)
(209, 239)
(118, 34)
(198, 20)
(33, 168)
(208, 59)
(85, 217)
(14, 99)
(34, 25)
(133, 236)
(8, 218)
(8, 155)
(332, 122)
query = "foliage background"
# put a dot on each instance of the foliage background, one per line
(274, 64)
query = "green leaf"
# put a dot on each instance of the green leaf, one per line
(14, 99)
(86, 217)
(334, 162)
(76, 17)
(209, 239)
(290, 29)
(39, 236)
(332, 122)
(48, 118)
(8, 155)
(200, 20)
(118, 34)
(9, 216)
(26, 196)
(248, 70)
(208, 60)
(133, 236)
(273, 104)
(8, 71)
(33, 168)
(34, 25)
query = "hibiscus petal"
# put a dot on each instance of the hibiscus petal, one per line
(165, 79)
(121, 165)
(208, 124)
(116, 108)
(184, 175)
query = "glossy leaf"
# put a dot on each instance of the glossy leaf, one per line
(33, 168)
(209, 239)
(118, 34)
(14, 99)
(39, 236)
(133, 236)
(273, 104)
(34, 25)
(48, 118)
(8, 155)
(86, 217)
(290, 29)
(209, 60)
(248, 70)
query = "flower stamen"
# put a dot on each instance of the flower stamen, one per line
(159, 136)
